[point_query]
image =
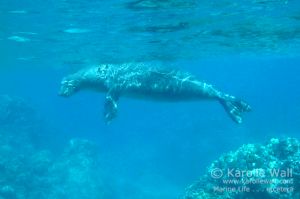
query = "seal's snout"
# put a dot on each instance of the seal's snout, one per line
(67, 88)
(63, 89)
(62, 93)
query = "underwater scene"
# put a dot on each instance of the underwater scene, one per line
(149, 99)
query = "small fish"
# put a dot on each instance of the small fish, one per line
(18, 12)
(25, 58)
(76, 30)
(27, 33)
(18, 39)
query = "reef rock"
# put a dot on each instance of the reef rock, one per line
(76, 173)
(253, 171)
(14, 111)
(20, 126)
(30, 172)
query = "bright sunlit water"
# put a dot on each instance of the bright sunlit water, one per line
(248, 48)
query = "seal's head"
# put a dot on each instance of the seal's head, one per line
(68, 87)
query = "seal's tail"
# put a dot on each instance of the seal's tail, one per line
(234, 107)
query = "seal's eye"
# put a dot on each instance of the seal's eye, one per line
(101, 70)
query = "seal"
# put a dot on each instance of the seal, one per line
(143, 81)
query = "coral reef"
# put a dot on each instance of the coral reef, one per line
(78, 172)
(19, 123)
(28, 172)
(14, 111)
(253, 171)
(31, 172)
(38, 174)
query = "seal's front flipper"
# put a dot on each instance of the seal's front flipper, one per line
(234, 107)
(110, 106)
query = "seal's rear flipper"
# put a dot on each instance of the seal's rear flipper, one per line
(235, 107)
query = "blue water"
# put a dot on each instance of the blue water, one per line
(250, 49)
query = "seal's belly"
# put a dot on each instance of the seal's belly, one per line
(157, 97)
(162, 87)
(169, 94)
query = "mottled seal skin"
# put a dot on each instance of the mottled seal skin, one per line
(139, 80)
